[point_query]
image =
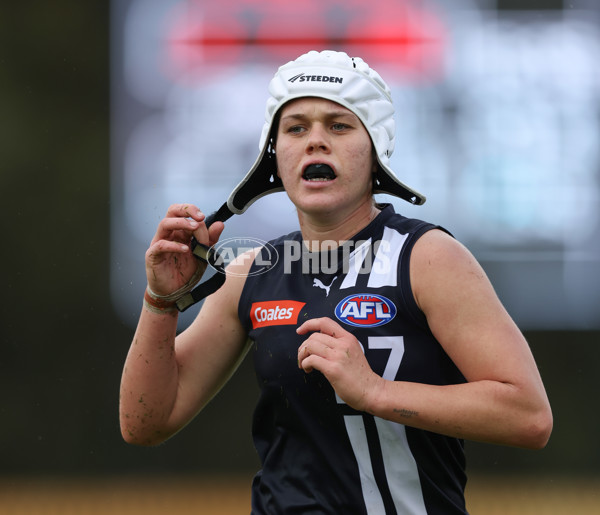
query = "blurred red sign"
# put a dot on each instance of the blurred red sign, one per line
(410, 35)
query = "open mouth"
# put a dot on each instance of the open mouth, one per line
(318, 172)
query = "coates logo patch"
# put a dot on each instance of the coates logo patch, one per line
(275, 312)
(365, 310)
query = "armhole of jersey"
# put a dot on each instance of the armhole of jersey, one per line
(245, 298)
(412, 308)
(243, 307)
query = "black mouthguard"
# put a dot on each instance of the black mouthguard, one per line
(319, 171)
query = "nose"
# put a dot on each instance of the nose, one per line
(318, 140)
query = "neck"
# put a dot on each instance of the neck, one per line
(327, 228)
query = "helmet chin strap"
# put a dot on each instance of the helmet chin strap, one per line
(220, 215)
(210, 256)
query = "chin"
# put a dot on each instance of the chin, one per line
(326, 208)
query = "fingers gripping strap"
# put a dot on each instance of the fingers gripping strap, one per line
(214, 259)
(211, 257)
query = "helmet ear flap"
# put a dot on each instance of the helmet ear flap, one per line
(271, 157)
(270, 150)
(272, 139)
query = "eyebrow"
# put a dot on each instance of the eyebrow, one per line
(329, 115)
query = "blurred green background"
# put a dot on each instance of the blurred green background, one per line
(62, 345)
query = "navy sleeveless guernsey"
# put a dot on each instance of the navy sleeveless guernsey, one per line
(318, 455)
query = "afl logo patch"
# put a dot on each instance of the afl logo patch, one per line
(365, 310)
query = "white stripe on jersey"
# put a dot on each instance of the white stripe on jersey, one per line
(384, 270)
(400, 468)
(355, 263)
(358, 438)
(385, 266)
(399, 463)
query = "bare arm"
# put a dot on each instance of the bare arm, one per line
(504, 400)
(167, 379)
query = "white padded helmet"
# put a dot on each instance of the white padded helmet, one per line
(348, 81)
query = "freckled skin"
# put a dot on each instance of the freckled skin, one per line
(317, 130)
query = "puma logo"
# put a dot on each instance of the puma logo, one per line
(317, 283)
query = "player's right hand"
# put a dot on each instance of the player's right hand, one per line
(169, 260)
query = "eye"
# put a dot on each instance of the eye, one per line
(294, 129)
(339, 126)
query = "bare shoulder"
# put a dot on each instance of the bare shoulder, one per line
(462, 308)
(436, 244)
(440, 263)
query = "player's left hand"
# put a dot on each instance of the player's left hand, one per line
(339, 356)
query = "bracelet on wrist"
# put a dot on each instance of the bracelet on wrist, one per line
(167, 303)
(157, 305)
